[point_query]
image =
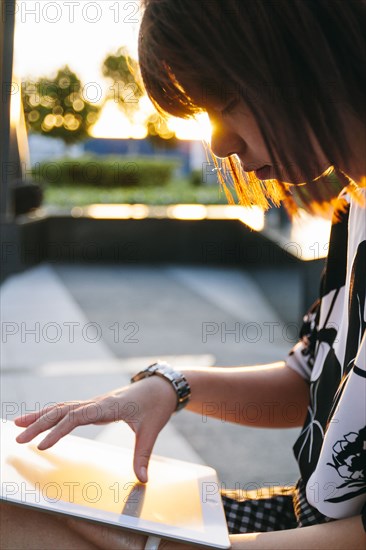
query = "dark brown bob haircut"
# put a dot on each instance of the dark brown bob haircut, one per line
(295, 63)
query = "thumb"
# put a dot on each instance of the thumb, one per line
(143, 448)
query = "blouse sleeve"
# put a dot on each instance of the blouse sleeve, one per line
(340, 474)
(301, 356)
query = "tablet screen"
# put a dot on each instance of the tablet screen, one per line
(96, 481)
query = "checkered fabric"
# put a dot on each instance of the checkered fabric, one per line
(306, 514)
(269, 509)
(259, 511)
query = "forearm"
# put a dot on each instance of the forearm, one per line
(335, 535)
(270, 395)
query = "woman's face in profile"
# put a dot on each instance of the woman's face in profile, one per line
(235, 131)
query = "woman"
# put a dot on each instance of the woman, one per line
(282, 82)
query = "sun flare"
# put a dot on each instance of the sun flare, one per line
(192, 129)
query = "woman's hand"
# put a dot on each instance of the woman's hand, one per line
(145, 406)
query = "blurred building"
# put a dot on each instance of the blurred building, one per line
(191, 154)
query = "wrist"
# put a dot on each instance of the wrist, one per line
(202, 385)
(161, 391)
(175, 378)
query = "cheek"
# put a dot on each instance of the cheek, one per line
(244, 124)
(283, 169)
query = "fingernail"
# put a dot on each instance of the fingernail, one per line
(143, 474)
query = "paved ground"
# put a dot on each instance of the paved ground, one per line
(71, 332)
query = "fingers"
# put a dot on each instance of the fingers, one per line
(69, 422)
(63, 416)
(145, 441)
(79, 415)
(27, 419)
(133, 405)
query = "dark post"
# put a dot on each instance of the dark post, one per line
(7, 25)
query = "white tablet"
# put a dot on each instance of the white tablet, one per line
(95, 481)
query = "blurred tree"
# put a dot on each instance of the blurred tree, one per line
(58, 107)
(125, 89)
(159, 133)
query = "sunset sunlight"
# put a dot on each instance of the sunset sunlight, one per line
(199, 129)
(113, 123)
(38, 24)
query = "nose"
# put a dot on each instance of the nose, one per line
(225, 142)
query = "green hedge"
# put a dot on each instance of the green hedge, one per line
(105, 172)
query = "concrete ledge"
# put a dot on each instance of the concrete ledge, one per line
(210, 242)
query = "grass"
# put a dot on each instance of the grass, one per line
(178, 191)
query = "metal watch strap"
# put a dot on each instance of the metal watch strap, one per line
(176, 378)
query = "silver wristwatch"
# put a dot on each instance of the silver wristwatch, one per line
(176, 378)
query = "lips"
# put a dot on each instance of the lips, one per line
(264, 173)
